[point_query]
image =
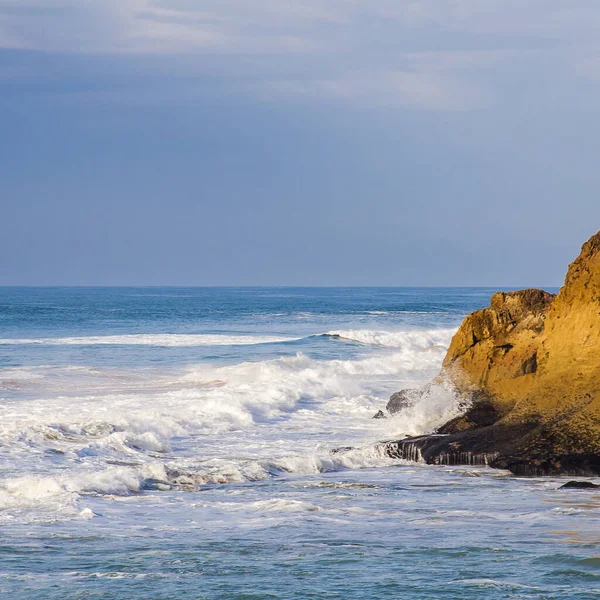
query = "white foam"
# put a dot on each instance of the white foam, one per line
(278, 505)
(146, 339)
(219, 471)
(207, 424)
(57, 495)
(146, 420)
(435, 407)
(411, 340)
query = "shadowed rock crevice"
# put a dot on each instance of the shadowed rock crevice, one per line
(529, 366)
(482, 413)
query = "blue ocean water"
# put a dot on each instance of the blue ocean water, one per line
(176, 443)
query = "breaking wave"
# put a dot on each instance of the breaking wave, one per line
(81, 431)
(52, 497)
(203, 399)
(416, 339)
(143, 339)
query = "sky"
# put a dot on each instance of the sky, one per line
(297, 142)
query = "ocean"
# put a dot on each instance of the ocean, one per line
(177, 443)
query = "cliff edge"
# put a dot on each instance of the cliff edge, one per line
(529, 365)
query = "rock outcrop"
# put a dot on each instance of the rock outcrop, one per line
(530, 367)
(579, 485)
(405, 399)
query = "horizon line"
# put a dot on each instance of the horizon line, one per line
(155, 286)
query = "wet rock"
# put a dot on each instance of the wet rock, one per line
(341, 450)
(405, 399)
(579, 485)
(481, 414)
(155, 484)
(379, 415)
(477, 447)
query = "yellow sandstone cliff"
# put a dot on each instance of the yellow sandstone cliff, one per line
(530, 366)
(531, 363)
(494, 354)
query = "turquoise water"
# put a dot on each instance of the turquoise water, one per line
(176, 443)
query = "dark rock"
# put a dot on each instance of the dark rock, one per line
(405, 399)
(379, 415)
(499, 446)
(529, 366)
(475, 447)
(341, 449)
(579, 485)
(398, 401)
(482, 413)
(545, 461)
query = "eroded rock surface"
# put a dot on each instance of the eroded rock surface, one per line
(406, 398)
(530, 366)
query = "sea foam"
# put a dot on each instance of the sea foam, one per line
(412, 340)
(209, 424)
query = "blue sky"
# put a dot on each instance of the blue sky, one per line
(309, 142)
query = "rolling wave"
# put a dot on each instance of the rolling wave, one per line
(122, 431)
(147, 339)
(414, 339)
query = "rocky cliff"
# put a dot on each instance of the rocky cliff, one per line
(529, 365)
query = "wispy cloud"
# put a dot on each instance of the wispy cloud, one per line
(386, 89)
(432, 54)
(269, 25)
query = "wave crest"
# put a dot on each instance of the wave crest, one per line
(410, 340)
(149, 339)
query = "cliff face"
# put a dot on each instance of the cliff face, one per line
(530, 364)
(565, 397)
(494, 354)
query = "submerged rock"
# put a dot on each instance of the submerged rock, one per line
(529, 365)
(579, 485)
(341, 449)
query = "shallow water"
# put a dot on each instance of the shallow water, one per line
(176, 443)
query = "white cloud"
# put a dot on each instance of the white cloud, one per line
(432, 54)
(151, 26)
(274, 25)
(387, 89)
(409, 90)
